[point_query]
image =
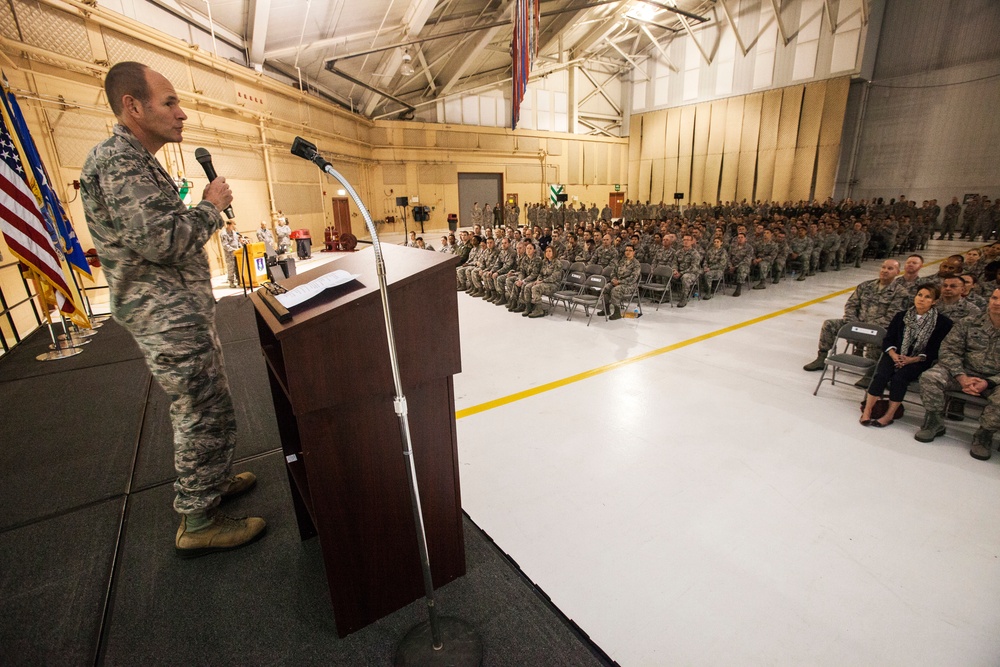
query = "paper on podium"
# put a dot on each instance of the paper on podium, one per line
(303, 293)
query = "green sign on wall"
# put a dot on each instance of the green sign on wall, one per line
(618, 187)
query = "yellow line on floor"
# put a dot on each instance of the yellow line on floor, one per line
(549, 386)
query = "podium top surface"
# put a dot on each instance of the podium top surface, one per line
(403, 265)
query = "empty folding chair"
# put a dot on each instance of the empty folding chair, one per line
(572, 286)
(658, 283)
(589, 298)
(856, 335)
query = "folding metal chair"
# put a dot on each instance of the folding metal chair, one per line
(572, 286)
(852, 334)
(589, 298)
(652, 287)
(594, 269)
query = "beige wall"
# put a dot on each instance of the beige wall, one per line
(781, 145)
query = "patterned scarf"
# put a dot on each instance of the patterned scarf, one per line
(916, 333)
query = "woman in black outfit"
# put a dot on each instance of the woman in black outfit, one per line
(911, 346)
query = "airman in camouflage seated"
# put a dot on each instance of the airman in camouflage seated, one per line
(873, 302)
(969, 363)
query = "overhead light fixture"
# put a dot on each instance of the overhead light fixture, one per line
(406, 68)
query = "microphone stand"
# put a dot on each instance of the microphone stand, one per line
(443, 640)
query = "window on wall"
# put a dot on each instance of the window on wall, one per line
(763, 67)
(847, 37)
(807, 41)
(725, 61)
(692, 69)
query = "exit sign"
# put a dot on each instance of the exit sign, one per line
(618, 187)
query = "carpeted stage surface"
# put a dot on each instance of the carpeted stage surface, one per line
(87, 570)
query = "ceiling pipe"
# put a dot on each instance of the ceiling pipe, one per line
(331, 67)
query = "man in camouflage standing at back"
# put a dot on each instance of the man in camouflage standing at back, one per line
(152, 248)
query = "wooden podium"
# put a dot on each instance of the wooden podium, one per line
(332, 386)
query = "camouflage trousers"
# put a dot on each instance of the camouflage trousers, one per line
(936, 380)
(828, 335)
(476, 276)
(462, 275)
(687, 282)
(231, 274)
(615, 295)
(510, 288)
(533, 292)
(187, 363)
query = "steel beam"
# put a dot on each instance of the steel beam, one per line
(659, 47)
(732, 24)
(258, 11)
(781, 24)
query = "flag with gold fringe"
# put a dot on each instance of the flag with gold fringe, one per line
(523, 49)
(51, 207)
(25, 228)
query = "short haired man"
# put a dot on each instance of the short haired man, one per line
(230, 239)
(152, 248)
(873, 302)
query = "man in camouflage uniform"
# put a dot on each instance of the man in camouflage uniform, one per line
(152, 248)
(605, 255)
(527, 272)
(264, 234)
(740, 257)
(800, 249)
(284, 234)
(506, 257)
(764, 254)
(462, 273)
(968, 362)
(873, 302)
(505, 280)
(623, 282)
(855, 242)
(688, 268)
(483, 267)
(549, 280)
(230, 243)
(952, 303)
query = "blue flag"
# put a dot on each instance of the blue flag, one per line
(52, 209)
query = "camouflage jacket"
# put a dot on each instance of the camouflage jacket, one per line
(716, 259)
(530, 267)
(506, 261)
(689, 260)
(959, 310)
(872, 303)
(152, 247)
(767, 251)
(740, 255)
(551, 272)
(972, 347)
(604, 256)
(627, 272)
(665, 257)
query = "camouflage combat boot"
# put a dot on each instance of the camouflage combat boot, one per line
(982, 444)
(932, 428)
(817, 363)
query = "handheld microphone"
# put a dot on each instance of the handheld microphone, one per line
(205, 158)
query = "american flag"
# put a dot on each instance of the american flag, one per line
(22, 222)
(55, 214)
(523, 48)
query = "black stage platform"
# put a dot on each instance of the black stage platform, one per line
(87, 570)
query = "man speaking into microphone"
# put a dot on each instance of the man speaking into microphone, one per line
(152, 248)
